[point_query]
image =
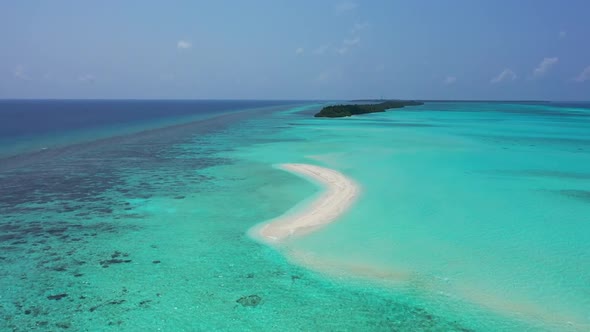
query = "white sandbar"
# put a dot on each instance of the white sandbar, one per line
(340, 192)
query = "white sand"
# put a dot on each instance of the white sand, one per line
(340, 192)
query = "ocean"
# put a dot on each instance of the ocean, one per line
(134, 215)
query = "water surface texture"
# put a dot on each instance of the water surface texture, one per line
(472, 217)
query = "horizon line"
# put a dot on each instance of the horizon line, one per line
(294, 100)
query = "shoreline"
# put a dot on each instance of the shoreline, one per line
(338, 195)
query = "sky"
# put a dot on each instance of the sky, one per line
(304, 49)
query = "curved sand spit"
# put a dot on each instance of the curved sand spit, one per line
(340, 192)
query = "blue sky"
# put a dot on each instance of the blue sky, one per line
(278, 49)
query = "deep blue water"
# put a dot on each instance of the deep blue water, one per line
(37, 117)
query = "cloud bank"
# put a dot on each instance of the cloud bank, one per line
(506, 75)
(450, 80)
(344, 7)
(544, 67)
(183, 45)
(20, 73)
(584, 75)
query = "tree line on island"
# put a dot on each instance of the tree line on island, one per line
(338, 111)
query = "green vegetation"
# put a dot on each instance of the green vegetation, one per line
(338, 111)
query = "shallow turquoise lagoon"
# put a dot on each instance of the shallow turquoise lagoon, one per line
(473, 217)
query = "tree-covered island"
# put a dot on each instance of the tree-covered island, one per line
(338, 111)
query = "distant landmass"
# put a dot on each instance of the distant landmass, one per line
(501, 101)
(339, 111)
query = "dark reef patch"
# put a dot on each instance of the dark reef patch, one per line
(63, 325)
(392, 123)
(583, 195)
(543, 173)
(144, 303)
(55, 205)
(516, 140)
(57, 297)
(59, 268)
(108, 262)
(42, 323)
(119, 301)
(249, 301)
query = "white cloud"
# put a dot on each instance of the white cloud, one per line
(562, 34)
(351, 42)
(544, 66)
(299, 51)
(342, 50)
(506, 74)
(329, 75)
(344, 7)
(450, 80)
(183, 45)
(321, 49)
(20, 73)
(323, 76)
(584, 75)
(358, 27)
(87, 78)
(354, 38)
(347, 44)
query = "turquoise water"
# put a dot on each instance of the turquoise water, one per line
(473, 217)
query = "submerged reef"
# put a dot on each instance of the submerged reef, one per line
(249, 301)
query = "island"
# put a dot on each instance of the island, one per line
(338, 111)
